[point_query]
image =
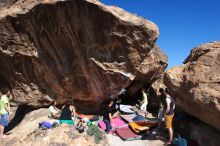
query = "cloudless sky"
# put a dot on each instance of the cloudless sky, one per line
(183, 24)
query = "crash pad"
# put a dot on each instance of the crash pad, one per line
(129, 117)
(117, 122)
(125, 133)
(137, 128)
(127, 109)
(138, 118)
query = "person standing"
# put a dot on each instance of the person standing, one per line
(144, 101)
(4, 112)
(162, 106)
(169, 114)
(107, 116)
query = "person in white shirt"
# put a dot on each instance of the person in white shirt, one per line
(144, 100)
(54, 111)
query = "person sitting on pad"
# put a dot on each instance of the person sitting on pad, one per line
(66, 114)
(54, 111)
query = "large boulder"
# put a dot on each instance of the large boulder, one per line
(196, 84)
(80, 49)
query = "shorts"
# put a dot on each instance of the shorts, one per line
(168, 121)
(4, 120)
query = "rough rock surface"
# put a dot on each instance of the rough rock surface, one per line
(196, 84)
(81, 49)
(6, 3)
(27, 133)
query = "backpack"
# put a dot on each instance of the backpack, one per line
(55, 124)
(45, 125)
(180, 141)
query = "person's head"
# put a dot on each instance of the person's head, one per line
(142, 89)
(118, 101)
(167, 91)
(5, 91)
(110, 101)
(54, 103)
(67, 105)
(161, 90)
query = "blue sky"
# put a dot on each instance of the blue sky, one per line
(183, 24)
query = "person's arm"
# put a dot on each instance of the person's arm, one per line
(12, 95)
(7, 107)
(145, 97)
(110, 118)
(74, 111)
(168, 105)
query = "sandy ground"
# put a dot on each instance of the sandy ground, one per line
(157, 139)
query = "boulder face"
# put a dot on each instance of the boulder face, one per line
(196, 84)
(6, 3)
(80, 49)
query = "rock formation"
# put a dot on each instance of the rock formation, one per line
(196, 84)
(6, 3)
(81, 49)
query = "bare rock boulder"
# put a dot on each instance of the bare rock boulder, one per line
(196, 84)
(80, 49)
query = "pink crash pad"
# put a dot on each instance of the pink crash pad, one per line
(125, 133)
(117, 122)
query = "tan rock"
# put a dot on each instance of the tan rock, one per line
(196, 84)
(81, 49)
(27, 133)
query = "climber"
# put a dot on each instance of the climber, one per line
(144, 100)
(54, 111)
(117, 100)
(107, 115)
(4, 111)
(169, 114)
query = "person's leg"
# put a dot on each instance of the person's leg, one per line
(144, 107)
(1, 130)
(141, 106)
(170, 130)
(168, 122)
(108, 125)
(1, 126)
